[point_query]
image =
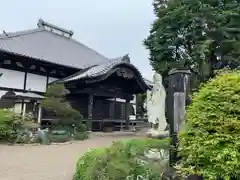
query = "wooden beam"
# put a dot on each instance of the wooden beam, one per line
(127, 107)
(90, 111)
(47, 81)
(25, 81)
(97, 92)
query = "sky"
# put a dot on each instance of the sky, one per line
(111, 27)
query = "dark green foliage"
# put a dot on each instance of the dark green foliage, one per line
(120, 161)
(81, 132)
(59, 136)
(210, 143)
(81, 127)
(10, 124)
(56, 102)
(80, 136)
(196, 34)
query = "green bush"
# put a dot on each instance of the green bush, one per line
(80, 136)
(10, 124)
(80, 127)
(210, 143)
(121, 160)
(59, 137)
(86, 162)
(23, 138)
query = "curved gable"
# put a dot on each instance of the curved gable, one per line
(101, 72)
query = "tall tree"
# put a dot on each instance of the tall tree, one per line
(197, 34)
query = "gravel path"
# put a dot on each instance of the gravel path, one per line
(52, 162)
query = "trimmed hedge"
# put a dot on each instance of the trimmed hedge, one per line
(121, 160)
(81, 136)
(210, 143)
(59, 136)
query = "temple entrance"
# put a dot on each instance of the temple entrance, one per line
(107, 112)
(103, 94)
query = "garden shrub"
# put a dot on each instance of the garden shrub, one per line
(80, 127)
(10, 124)
(81, 136)
(23, 138)
(210, 142)
(59, 136)
(86, 162)
(121, 160)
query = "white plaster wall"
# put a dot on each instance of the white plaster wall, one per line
(51, 79)
(36, 82)
(18, 108)
(11, 79)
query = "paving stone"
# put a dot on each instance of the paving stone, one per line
(46, 162)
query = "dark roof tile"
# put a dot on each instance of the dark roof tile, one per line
(101, 69)
(49, 46)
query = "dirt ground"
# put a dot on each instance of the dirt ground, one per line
(49, 162)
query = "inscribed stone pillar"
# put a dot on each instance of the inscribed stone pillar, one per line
(177, 93)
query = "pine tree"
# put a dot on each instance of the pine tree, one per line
(56, 102)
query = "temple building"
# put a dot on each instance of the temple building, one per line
(102, 89)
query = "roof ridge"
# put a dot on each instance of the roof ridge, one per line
(39, 29)
(20, 33)
(24, 43)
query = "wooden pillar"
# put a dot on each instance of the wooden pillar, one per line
(39, 116)
(24, 89)
(90, 110)
(24, 109)
(47, 81)
(127, 108)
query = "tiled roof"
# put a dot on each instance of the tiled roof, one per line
(103, 69)
(43, 44)
(98, 70)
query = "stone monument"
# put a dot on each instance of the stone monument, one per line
(156, 108)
